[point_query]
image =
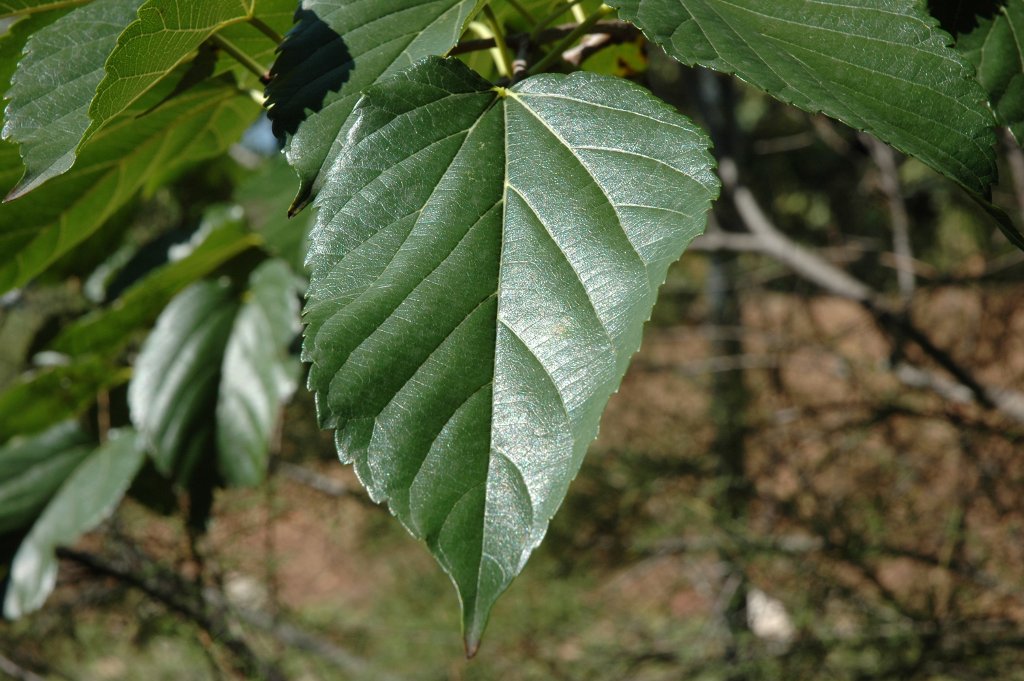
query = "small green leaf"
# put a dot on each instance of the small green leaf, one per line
(336, 50)
(996, 48)
(85, 499)
(166, 33)
(33, 468)
(49, 97)
(106, 331)
(212, 353)
(113, 167)
(257, 374)
(11, 7)
(878, 65)
(45, 396)
(174, 388)
(466, 332)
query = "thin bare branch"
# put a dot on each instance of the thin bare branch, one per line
(765, 238)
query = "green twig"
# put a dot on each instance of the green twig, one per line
(238, 55)
(486, 38)
(581, 30)
(504, 56)
(266, 29)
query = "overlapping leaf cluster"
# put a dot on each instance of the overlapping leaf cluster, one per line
(484, 255)
(107, 101)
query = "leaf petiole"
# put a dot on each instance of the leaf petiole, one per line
(504, 58)
(266, 29)
(238, 55)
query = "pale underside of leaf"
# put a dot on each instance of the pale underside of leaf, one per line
(122, 159)
(466, 331)
(166, 33)
(86, 498)
(33, 468)
(882, 66)
(48, 109)
(336, 50)
(211, 353)
(173, 389)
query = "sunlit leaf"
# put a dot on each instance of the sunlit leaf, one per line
(55, 82)
(466, 332)
(122, 159)
(878, 65)
(338, 48)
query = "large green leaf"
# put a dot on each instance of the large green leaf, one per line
(212, 354)
(33, 468)
(337, 49)
(996, 47)
(166, 33)
(86, 498)
(106, 331)
(50, 94)
(466, 331)
(877, 65)
(12, 7)
(130, 154)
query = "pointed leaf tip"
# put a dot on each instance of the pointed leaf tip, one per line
(465, 332)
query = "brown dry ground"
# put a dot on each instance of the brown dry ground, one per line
(880, 516)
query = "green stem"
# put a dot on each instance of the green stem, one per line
(504, 56)
(266, 29)
(487, 36)
(239, 56)
(556, 52)
(523, 12)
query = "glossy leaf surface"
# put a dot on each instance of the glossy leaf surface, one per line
(336, 50)
(882, 66)
(466, 332)
(48, 112)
